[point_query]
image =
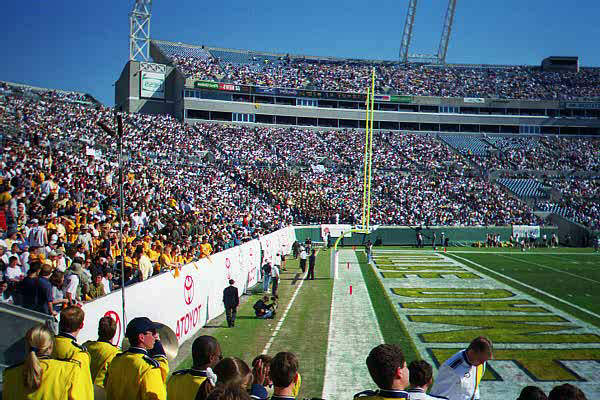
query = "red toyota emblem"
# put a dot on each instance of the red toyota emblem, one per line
(115, 316)
(227, 263)
(188, 290)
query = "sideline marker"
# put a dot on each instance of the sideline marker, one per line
(348, 264)
(350, 289)
(444, 249)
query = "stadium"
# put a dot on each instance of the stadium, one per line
(410, 202)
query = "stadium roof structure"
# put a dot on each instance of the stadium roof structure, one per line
(168, 49)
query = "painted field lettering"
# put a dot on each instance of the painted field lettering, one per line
(504, 329)
(453, 293)
(492, 305)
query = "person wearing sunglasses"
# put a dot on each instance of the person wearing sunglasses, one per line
(141, 371)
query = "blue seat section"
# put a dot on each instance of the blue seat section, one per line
(523, 187)
(232, 57)
(467, 144)
(512, 142)
(566, 212)
(170, 50)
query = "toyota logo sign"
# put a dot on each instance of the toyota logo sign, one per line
(188, 290)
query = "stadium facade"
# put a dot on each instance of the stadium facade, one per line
(160, 87)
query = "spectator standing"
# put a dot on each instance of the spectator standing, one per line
(141, 371)
(459, 376)
(532, 393)
(387, 367)
(102, 351)
(303, 257)
(27, 288)
(5, 297)
(266, 270)
(231, 300)
(283, 372)
(420, 377)
(42, 377)
(65, 344)
(184, 384)
(44, 291)
(275, 278)
(312, 259)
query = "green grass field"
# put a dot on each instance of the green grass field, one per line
(566, 279)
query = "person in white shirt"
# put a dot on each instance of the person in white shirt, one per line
(275, 277)
(420, 377)
(303, 257)
(4, 296)
(13, 272)
(459, 376)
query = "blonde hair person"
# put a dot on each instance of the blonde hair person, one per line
(41, 377)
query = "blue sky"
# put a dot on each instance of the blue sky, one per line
(83, 45)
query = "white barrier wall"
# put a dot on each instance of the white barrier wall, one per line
(187, 302)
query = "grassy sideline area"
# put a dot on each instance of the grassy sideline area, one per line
(304, 331)
(392, 328)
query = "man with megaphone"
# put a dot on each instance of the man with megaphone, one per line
(141, 371)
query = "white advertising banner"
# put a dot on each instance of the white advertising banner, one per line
(526, 230)
(187, 302)
(335, 230)
(152, 84)
(474, 100)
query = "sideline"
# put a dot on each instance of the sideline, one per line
(285, 313)
(552, 269)
(353, 331)
(531, 287)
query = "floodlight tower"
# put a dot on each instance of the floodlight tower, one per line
(440, 57)
(139, 30)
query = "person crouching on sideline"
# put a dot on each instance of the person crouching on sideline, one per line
(65, 343)
(388, 370)
(459, 376)
(42, 377)
(141, 371)
(420, 377)
(184, 384)
(102, 351)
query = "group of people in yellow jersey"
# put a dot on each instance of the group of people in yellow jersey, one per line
(58, 367)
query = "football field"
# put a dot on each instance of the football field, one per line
(541, 308)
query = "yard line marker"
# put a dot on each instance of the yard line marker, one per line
(285, 313)
(553, 269)
(530, 287)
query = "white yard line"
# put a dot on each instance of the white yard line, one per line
(285, 313)
(530, 287)
(522, 253)
(553, 269)
(353, 332)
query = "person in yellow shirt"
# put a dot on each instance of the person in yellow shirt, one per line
(41, 377)
(184, 384)
(65, 343)
(165, 260)
(102, 351)
(205, 248)
(141, 371)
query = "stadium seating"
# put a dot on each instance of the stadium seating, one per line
(482, 81)
(467, 144)
(523, 187)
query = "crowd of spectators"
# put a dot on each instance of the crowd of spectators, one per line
(59, 202)
(580, 200)
(59, 197)
(507, 82)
